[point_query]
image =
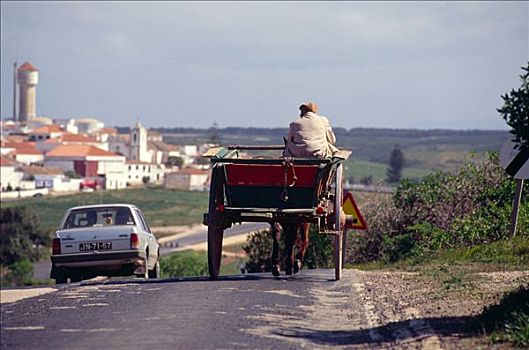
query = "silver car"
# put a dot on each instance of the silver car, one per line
(104, 240)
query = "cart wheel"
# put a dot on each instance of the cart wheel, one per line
(215, 225)
(215, 236)
(338, 238)
(337, 243)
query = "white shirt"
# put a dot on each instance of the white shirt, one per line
(310, 136)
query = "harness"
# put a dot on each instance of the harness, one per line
(288, 164)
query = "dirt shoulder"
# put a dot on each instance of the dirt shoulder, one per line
(435, 307)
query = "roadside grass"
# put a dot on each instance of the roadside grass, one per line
(162, 206)
(496, 256)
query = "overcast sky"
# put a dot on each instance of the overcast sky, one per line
(190, 64)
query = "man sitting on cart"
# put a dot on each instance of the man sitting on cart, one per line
(310, 135)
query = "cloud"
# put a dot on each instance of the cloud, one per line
(386, 61)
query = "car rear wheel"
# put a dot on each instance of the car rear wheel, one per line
(58, 275)
(155, 272)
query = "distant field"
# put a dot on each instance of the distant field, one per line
(424, 150)
(361, 168)
(163, 207)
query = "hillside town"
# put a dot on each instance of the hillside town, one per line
(45, 155)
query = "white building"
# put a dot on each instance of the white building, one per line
(10, 177)
(190, 179)
(45, 132)
(88, 162)
(137, 171)
(88, 125)
(23, 152)
(52, 178)
(138, 144)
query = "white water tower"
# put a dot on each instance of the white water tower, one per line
(28, 78)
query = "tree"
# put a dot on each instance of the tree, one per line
(396, 164)
(20, 236)
(175, 161)
(515, 110)
(214, 136)
(367, 180)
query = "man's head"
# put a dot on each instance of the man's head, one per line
(308, 107)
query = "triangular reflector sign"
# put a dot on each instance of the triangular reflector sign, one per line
(350, 208)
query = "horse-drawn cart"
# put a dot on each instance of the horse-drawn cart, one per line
(282, 190)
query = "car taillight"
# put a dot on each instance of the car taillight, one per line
(134, 241)
(56, 246)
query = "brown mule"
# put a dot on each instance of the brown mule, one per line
(296, 235)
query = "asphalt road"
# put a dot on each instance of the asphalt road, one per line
(240, 312)
(41, 269)
(364, 310)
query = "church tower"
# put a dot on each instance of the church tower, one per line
(138, 144)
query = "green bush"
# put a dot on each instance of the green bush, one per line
(442, 211)
(319, 253)
(258, 248)
(186, 263)
(19, 273)
(489, 224)
(398, 247)
(71, 174)
(431, 237)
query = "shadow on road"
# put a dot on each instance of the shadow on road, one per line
(460, 327)
(300, 277)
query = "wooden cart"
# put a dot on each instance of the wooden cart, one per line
(284, 190)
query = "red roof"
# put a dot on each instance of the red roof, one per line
(40, 170)
(15, 138)
(13, 144)
(78, 151)
(4, 161)
(28, 67)
(27, 151)
(69, 137)
(192, 171)
(112, 131)
(47, 129)
(22, 147)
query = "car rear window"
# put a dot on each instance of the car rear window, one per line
(104, 216)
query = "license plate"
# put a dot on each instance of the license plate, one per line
(85, 247)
